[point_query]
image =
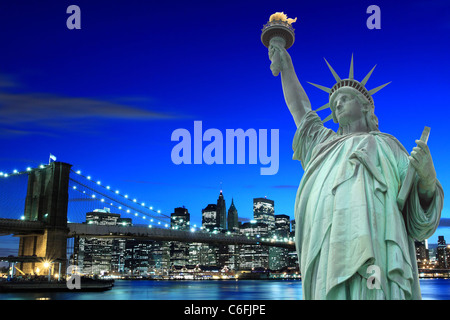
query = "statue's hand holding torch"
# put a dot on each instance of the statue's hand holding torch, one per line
(278, 35)
(281, 60)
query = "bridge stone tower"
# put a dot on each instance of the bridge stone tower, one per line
(46, 201)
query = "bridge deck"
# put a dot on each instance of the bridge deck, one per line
(143, 232)
(14, 226)
(22, 227)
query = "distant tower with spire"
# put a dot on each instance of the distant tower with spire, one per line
(221, 212)
(233, 223)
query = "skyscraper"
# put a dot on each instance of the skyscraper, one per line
(422, 255)
(441, 255)
(253, 256)
(221, 212)
(263, 211)
(233, 223)
(95, 255)
(118, 256)
(180, 219)
(209, 217)
(279, 257)
(179, 252)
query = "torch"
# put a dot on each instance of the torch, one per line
(278, 29)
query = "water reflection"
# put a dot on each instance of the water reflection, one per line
(432, 289)
(435, 289)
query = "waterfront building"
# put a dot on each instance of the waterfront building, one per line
(118, 254)
(137, 257)
(253, 256)
(422, 254)
(441, 253)
(279, 257)
(94, 255)
(158, 258)
(179, 251)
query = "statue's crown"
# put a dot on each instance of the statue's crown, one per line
(350, 82)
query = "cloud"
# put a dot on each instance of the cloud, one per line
(7, 81)
(285, 186)
(445, 222)
(48, 108)
(171, 184)
(26, 113)
(5, 252)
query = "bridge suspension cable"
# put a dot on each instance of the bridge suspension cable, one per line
(13, 191)
(94, 192)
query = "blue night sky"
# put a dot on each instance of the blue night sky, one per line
(106, 98)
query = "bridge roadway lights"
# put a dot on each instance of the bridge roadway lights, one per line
(159, 234)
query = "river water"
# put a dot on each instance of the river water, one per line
(432, 289)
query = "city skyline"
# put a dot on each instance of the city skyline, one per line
(156, 258)
(107, 97)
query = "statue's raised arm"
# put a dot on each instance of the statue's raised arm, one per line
(278, 35)
(294, 94)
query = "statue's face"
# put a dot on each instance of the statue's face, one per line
(347, 108)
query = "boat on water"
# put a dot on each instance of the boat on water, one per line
(86, 284)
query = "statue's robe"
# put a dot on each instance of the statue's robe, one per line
(348, 224)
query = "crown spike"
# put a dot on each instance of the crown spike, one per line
(371, 92)
(335, 75)
(328, 90)
(323, 107)
(366, 78)
(350, 74)
(328, 118)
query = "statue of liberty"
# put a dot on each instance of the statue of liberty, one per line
(348, 220)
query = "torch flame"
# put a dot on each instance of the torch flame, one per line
(281, 16)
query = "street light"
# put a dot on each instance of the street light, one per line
(48, 264)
